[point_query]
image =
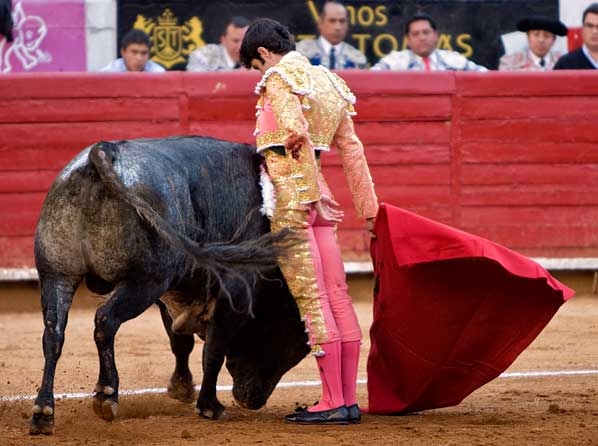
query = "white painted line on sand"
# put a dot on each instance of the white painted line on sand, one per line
(365, 267)
(291, 384)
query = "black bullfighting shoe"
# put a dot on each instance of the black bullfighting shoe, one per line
(340, 415)
(354, 414)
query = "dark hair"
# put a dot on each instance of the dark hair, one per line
(592, 9)
(135, 36)
(327, 2)
(238, 22)
(416, 18)
(268, 33)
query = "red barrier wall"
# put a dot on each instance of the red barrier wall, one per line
(511, 157)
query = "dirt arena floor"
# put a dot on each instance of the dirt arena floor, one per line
(549, 410)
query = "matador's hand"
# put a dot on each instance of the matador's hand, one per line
(325, 208)
(370, 223)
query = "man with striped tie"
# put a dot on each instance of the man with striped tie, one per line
(421, 34)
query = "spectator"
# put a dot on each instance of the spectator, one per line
(541, 35)
(6, 23)
(225, 55)
(135, 52)
(422, 36)
(586, 57)
(330, 49)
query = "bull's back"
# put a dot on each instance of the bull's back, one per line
(224, 187)
(202, 187)
(218, 179)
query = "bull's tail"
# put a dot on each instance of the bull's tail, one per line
(231, 258)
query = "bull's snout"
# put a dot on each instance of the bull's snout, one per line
(252, 393)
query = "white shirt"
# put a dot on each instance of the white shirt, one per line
(328, 46)
(439, 60)
(118, 66)
(586, 51)
(229, 61)
(537, 59)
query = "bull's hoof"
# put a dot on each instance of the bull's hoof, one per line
(104, 408)
(181, 389)
(215, 412)
(41, 423)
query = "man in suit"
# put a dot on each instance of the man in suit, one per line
(541, 35)
(330, 49)
(422, 36)
(225, 55)
(586, 57)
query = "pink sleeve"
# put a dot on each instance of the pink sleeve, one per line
(356, 169)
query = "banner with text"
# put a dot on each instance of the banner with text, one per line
(471, 27)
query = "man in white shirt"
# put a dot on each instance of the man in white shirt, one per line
(541, 35)
(330, 49)
(421, 33)
(135, 52)
(225, 55)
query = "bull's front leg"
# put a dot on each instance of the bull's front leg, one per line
(128, 301)
(57, 296)
(214, 350)
(181, 385)
(225, 323)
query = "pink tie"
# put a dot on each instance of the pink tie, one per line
(427, 63)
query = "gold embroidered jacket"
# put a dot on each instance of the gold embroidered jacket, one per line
(300, 102)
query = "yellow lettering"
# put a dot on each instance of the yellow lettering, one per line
(361, 40)
(381, 17)
(313, 10)
(351, 10)
(444, 42)
(465, 46)
(362, 13)
(381, 40)
(404, 46)
(300, 37)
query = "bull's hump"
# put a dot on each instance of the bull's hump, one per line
(78, 161)
(129, 171)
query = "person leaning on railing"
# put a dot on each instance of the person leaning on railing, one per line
(422, 36)
(135, 52)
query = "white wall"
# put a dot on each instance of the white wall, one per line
(100, 25)
(571, 11)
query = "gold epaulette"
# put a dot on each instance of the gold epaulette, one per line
(342, 88)
(296, 76)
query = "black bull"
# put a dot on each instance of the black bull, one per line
(148, 218)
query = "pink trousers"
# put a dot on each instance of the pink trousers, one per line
(335, 302)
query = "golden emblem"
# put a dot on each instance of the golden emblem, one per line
(171, 43)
